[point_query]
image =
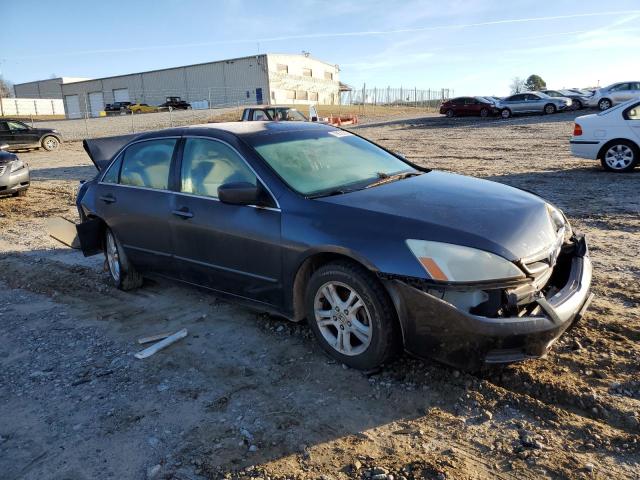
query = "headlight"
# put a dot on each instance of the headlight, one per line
(454, 263)
(560, 222)
(17, 165)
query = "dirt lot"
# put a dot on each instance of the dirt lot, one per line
(246, 395)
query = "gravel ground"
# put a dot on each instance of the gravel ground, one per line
(248, 395)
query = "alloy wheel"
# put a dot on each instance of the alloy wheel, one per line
(604, 104)
(50, 143)
(619, 157)
(113, 257)
(342, 318)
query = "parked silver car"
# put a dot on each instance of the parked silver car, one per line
(14, 174)
(579, 100)
(606, 97)
(532, 102)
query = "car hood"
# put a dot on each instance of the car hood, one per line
(6, 157)
(463, 210)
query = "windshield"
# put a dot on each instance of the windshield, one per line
(324, 161)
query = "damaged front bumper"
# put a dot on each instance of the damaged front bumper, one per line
(437, 329)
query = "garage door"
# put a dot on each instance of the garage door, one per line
(96, 103)
(121, 95)
(72, 103)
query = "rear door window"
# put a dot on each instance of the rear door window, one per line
(208, 164)
(147, 164)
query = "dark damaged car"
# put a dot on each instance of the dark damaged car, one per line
(310, 221)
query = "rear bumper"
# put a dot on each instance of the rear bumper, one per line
(14, 182)
(437, 329)
(585, 148)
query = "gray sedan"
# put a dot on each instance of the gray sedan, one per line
(14, 174)
(532, 102)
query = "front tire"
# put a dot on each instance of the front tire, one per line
(351, 315)
(549, 108)
(50, 143)
(620, 156)
(20, 193)
(604, 104)
(450, 113)
(123, 273)
(484, 113)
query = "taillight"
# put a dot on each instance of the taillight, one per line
(577, 130)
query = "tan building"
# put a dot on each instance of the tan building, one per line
(257, 79)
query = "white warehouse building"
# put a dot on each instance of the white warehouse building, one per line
(257, 79)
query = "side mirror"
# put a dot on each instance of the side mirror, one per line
(239, 193)
(4, 146)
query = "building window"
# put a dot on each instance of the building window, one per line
(283, 68)
(328, 75)
(313, 96)
(307, 72)
(291, 94)
(273, 95)
(301, 95)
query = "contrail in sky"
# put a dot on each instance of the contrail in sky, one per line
(363, 33)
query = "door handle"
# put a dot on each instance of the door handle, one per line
(183, 212)
(108, 198)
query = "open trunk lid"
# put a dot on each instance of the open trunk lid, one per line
(102, 150)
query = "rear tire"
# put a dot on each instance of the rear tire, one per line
(578, 104)
(50, 143)
(484, 113)
(352, 315)
(505, 113)
(123, 273)
(620, 156)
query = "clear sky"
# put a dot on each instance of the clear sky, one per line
(472, 46)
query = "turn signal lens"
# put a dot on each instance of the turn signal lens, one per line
(577, 130)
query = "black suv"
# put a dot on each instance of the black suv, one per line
(17, 134)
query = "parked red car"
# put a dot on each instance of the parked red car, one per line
(468, 106)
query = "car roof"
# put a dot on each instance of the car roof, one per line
(250, 129)
(261, 107)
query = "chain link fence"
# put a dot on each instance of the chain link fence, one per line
(225, 104)
(392, 96)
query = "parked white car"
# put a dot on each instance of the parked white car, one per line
(612, 136)
(614, 94)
